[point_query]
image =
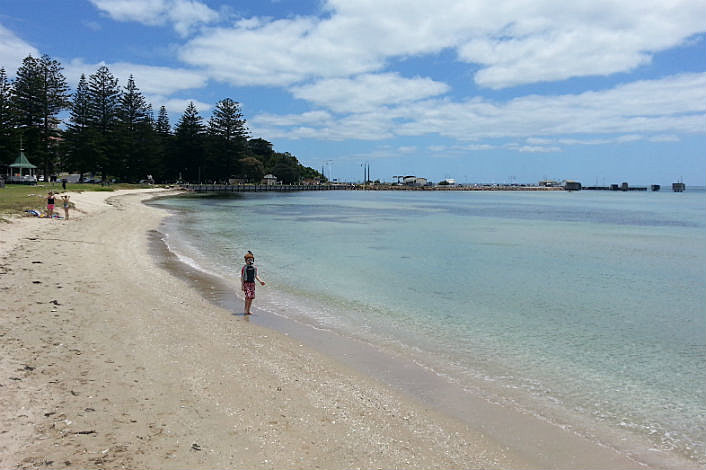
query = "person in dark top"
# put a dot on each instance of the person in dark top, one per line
(50, 205)
(248, 276)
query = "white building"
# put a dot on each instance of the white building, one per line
(414, 181)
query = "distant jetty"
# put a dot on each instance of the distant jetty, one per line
(618, 187)
(282, 188)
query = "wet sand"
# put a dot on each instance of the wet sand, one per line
(109, 360)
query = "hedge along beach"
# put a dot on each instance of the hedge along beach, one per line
(124, 363)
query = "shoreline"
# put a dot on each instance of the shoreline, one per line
(541, 442)
(112, 360)
(109, 360)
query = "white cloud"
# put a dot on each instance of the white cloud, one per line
(452, 151)
(476, 147)
(176, 106)
(673, 105)
(92, 25)
(664, 138)
(149, 79)
(577, 39)
(629, 138)
(13, 50)
(144, 11)
(539, 141)
(406, 149)
(534, 148)
(312, 117)
(184, 15)
(381, 152)
(278, 52)
(583, 141)
(368, 92)
(512, 42)
(461, 147)
(321, 125)
(620, 139)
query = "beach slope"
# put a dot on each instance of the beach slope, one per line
(107, 360)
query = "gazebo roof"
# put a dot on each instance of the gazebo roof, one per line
(22, 162)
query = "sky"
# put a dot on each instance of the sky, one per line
(502, 91)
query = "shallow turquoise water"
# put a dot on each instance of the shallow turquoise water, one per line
(594, 302)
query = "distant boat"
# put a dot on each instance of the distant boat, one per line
(678, 187)
(655, 187)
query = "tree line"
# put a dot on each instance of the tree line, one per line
(111, 131)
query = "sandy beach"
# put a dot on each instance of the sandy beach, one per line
(108, 360)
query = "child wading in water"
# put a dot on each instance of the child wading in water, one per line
(248, 276)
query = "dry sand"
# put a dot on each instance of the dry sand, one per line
(107, 360)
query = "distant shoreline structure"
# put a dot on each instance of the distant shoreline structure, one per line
(567, 185)
(242, 188)
(252, 188)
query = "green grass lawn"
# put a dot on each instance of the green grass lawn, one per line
(17, 198)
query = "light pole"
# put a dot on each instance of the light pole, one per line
(366, 172)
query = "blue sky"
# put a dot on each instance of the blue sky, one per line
(479, 91)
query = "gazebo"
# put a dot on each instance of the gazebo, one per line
(16, 171)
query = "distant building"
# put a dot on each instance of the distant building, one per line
(572, 185)
(414, 181)
(549, 184)
(270, 179)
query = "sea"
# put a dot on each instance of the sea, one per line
(588, 308)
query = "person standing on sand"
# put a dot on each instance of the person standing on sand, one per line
(248, 276)
(50, 205)
(65, 198)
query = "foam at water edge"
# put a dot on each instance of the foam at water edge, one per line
(184, 258)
